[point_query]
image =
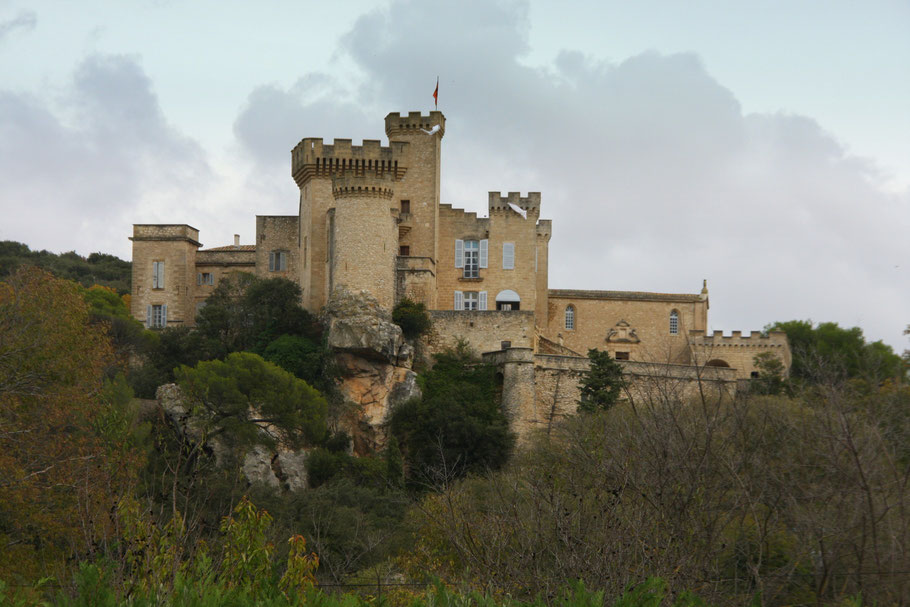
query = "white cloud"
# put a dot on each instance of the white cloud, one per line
(76, 175)
(653, 175)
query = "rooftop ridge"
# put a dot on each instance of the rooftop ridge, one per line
(639, 295)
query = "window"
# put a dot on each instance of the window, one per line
(674, 323)
(471, 255)
(278, 261)
(570, 317)
(508, 256)
(405, 206)
(156, 316)
(471, 259)
(621, 356)
(157, 274)
(404, 250)
(205, 278)
(470, 300)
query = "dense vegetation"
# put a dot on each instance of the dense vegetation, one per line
(96, 269)
(794, 493)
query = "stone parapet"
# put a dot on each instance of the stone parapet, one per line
(413, 122)
(500, 204)
(165, 231)
(312, 158)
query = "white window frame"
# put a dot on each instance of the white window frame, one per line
(472, 256)
(570, 318)
(674, 323)
(470, 300)
(508, 256)
(471, 262)
(157, 274)
(205, 278)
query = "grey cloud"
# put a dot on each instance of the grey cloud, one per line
(26, 20)
(654, 176)
(105, 158)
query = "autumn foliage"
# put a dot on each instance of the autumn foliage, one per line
(61, 465)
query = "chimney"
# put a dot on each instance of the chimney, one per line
(236, 240)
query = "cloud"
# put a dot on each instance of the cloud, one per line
(26, 20)
(76, 175)
(653, 175)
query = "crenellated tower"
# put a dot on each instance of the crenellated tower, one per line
(363, 243)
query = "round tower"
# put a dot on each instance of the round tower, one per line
(364, 236)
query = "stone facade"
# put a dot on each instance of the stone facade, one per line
(370, 219)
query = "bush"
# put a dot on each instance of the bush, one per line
(412, 317)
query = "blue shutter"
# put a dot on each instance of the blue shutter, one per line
(164, 315)
(482, 300)
(459, 300)
(484, 252)
(148, 317)
(459, 254)
(508, 256)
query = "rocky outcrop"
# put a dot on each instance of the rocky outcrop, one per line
(374, 362)
(278, 467)
(356, 324)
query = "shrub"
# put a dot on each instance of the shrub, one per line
(412, 317)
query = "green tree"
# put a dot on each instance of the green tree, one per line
(826, 350)
(248, 313)
(248, 400)
(601, 385)
(457, 427)
(412, 317)
(298, 355)
(771, 371)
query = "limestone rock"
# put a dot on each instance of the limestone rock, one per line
(356, 324)
(257, 467)
(290, 467)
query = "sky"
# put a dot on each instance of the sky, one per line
(763, 146)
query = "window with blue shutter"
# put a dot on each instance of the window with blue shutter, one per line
(508, 256)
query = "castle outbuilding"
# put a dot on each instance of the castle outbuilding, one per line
(370, 218)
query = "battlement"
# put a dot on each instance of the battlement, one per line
(736, 338)
(410, 125)
(500, 204)
(165, 231)
(363, 186)
(545, 228)
(313, 158)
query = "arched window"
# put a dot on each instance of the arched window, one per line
(570, 317)
(674, 323)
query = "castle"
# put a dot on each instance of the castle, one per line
(370, 218)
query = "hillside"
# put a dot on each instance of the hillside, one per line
(96, 269)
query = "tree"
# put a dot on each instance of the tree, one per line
(248, 313)
(64, 444)
(770, 374)
(457, 427)
(601, 384)
(246, 400)
(412, 317)
(830, 348)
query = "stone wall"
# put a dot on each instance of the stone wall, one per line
(622, 321)
(739, 351)
(175, 245)
(278, 233)
(528, 237)
(484, 331)
(365, 238)
(540, 389)
(416, 280)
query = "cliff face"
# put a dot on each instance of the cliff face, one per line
(374, 363)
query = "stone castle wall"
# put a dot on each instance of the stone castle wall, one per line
(175, 245)
(278, 233)
(739, 351)
(484, 331)
(646, 337)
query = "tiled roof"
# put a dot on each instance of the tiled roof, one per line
(623, 295)
(231, 247)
